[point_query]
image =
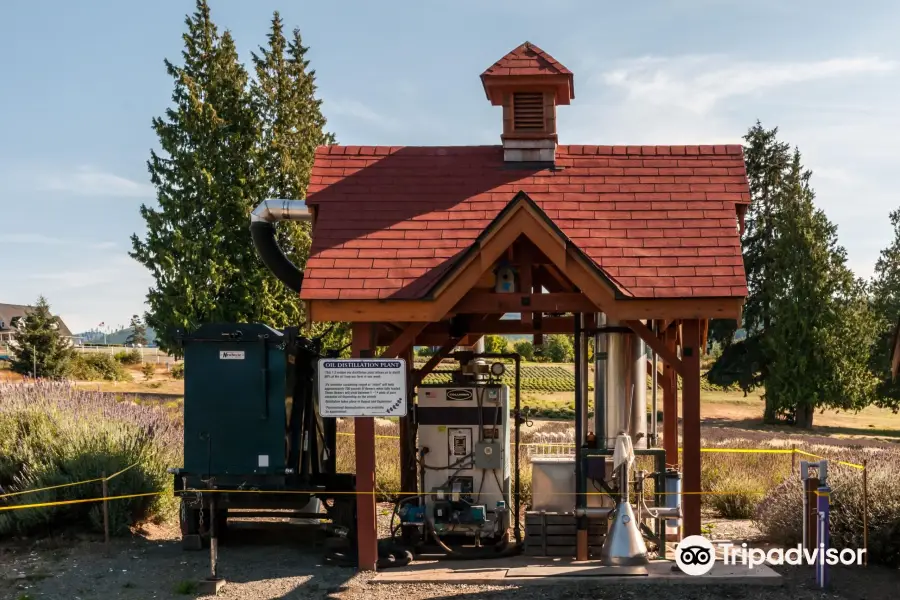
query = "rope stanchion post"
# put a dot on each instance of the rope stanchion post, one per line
(793, 459)
(865, 476)
(105, 486)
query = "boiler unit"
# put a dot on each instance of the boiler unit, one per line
(464, 456)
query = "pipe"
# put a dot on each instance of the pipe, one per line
(638, 393)
(654, 404)
(517, 495)
(263, 219)
(581, 539)
(594, 512)
(600, 352)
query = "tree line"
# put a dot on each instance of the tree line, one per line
(817, 336)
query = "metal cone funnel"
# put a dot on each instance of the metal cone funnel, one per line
(624, 545)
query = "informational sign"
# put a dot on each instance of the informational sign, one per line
(231, 355)
(362, 387)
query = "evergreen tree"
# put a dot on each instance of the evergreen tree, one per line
(885, 288)
(38, 347)
(768, 161)
(138, 335)
(293, 126)
(804, 302)
(816, 306)
(198, 246)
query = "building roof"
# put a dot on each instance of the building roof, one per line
(527, 59)
(9, 311)
(529, 63)
(657, 221)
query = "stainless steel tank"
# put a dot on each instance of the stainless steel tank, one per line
(626, 386)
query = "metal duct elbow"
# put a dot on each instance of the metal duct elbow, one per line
(263, 220)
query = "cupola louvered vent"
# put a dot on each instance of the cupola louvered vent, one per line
(528, 111)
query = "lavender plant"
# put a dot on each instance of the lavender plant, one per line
(54, 433)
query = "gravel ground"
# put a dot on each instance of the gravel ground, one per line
(275, 561)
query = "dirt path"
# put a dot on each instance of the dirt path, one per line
(279, 564)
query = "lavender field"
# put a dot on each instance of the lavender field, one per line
(54, 434)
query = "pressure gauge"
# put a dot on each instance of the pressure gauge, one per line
(497, 369)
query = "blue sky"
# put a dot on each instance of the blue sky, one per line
(82, 81)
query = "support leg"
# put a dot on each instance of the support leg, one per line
(670, 407)
(364, 436)
(691, 425)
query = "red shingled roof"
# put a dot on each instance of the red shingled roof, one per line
(527, 59)
(659, 221)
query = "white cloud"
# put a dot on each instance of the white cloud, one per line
(40, 239)
(699, 83)
(74, 279)
(90, 181)
(359, 111)
(837, 111)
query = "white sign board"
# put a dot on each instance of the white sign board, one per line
(231, 355)
(362, 387)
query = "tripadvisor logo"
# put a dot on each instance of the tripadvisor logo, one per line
(695, 555)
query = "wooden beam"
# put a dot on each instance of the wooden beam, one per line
(656, 344)
(435, 360)
(362, 344)
(555, 281)
(404, 341)
(407, 311)
(480, 302)
(670, 404)
(408, 470)
(690, 407)
(704, 338)
(526, 281)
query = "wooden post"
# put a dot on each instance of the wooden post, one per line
(670, 406)
(408, 437)
(690, 406)
(105, 489)
(866, 512)
(364, 437)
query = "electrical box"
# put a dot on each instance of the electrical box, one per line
(466, 431)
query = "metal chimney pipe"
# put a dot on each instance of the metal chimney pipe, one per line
(263, 219)
(600, 352)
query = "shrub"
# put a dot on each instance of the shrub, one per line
(148, 370)
(97, 367)
(178, 370)
(495, 344)
(54, 434)
(735, 496)
(128, 357)
(779, 514)
(525, 349)
(560, 349)
(424, 351)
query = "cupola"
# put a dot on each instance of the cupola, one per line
(529, 84)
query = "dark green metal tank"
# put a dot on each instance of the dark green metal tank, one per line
(237, 400)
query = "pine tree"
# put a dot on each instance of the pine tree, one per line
(138, 335)
(293, 126)
(198, 246)
(804, 302)
(767, 160)
(38, 347)
(817, 305)
(885, 288)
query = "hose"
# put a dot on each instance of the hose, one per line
(503, 551)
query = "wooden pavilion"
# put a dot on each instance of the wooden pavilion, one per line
(408, 243)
